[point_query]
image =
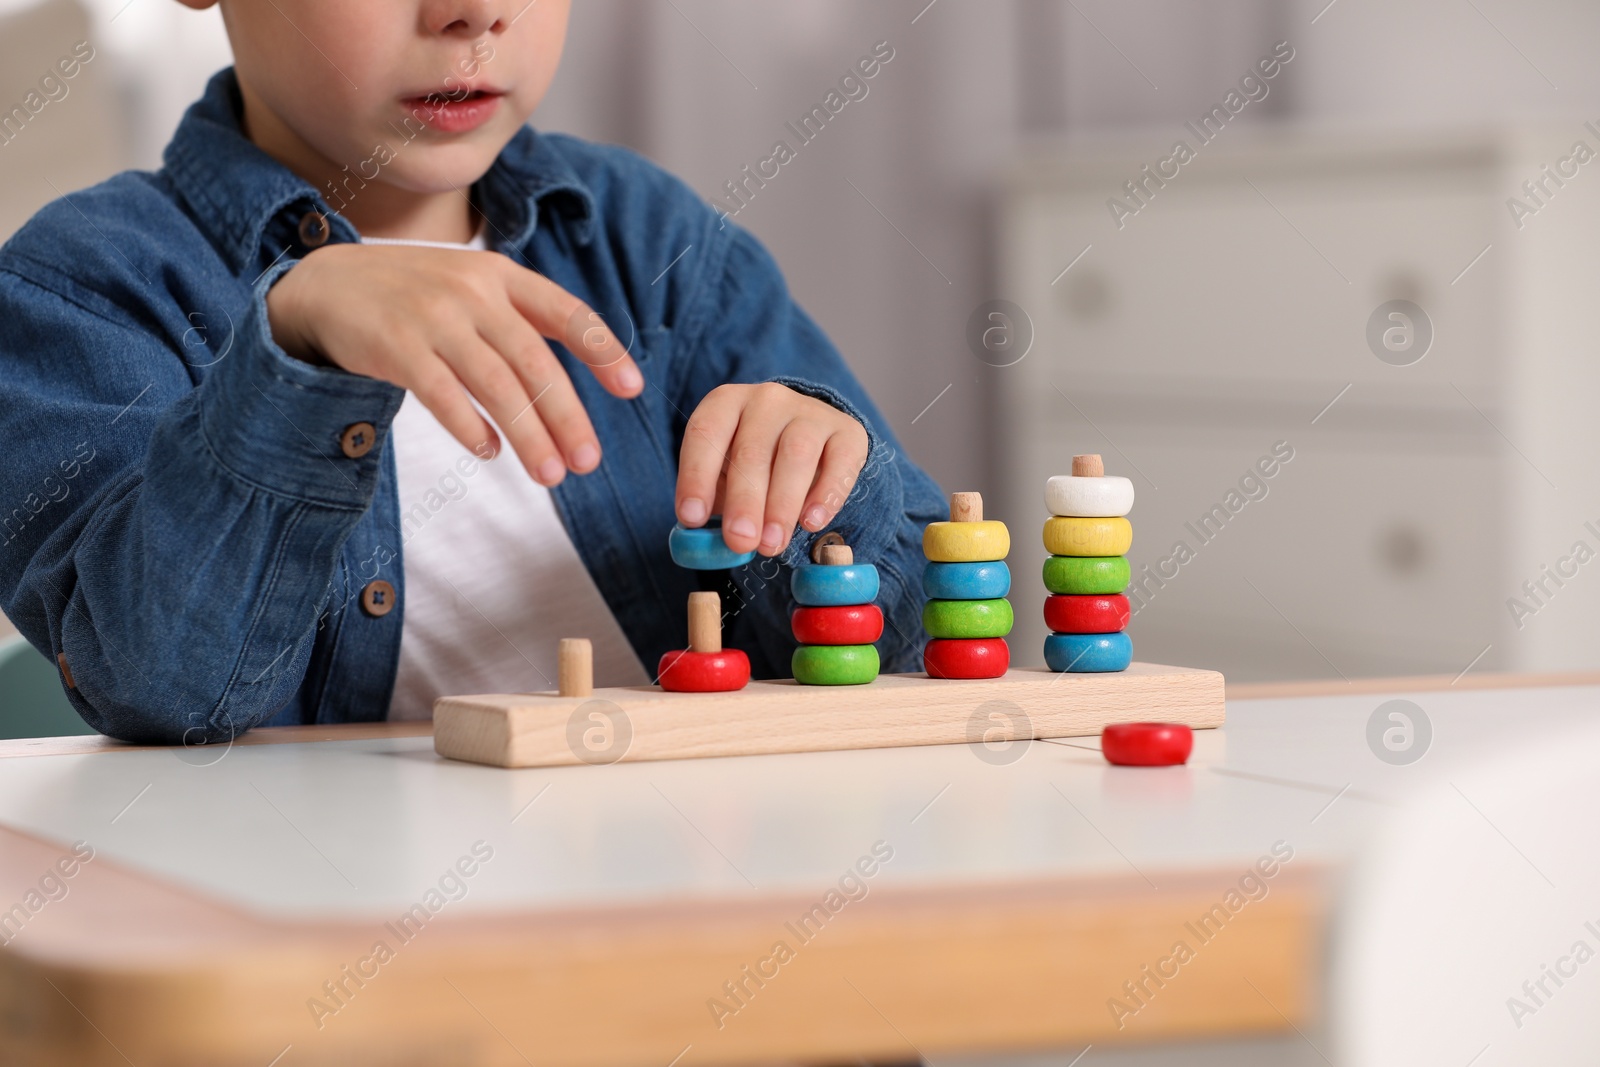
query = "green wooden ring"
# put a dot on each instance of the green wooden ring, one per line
(967, 618)
(1078, 575)
(834, 664)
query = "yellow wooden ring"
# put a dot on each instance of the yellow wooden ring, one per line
(1071, 536)
(966, 542)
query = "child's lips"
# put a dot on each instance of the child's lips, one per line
(454, 112)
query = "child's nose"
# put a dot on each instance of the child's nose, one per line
(462, 18)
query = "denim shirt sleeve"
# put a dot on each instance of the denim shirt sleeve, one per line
(747, 328)
(181, 565)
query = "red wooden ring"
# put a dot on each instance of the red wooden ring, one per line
(1147, 744)
(1079, 614)
(684, 671)
(966, 657)
(850, 624)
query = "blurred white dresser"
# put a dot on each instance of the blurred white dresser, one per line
(1224, 317)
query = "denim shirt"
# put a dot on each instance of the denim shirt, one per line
(184, 525)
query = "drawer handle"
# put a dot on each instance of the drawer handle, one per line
(1403, 549)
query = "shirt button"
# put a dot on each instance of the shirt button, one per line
(377, 599)
(358, 439)
(314, 229)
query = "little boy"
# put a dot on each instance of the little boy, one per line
(236, 388)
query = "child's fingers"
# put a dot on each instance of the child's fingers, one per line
(564, 417)
(750, 459)
(705, 449)
(558, 314)
(497, 388)
(549, 389)
(794, 470)
(442, 393)
(842, 459)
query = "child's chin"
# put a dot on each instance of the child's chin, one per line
(443, 168)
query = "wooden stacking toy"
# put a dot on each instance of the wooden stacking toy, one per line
(836, 622)
(705, 666)
(702, 548)
(966, 581)
(1088, 536)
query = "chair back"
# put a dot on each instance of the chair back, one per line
(1469, 931)
(32, 703)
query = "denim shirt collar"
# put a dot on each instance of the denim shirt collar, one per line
(250, 206)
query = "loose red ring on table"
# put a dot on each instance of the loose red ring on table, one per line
(1147, 744)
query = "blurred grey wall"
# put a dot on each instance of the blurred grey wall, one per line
(883, 223)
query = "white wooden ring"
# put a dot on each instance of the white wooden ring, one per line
(1090, 498)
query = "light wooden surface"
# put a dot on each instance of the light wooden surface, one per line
(644, 723)
(1426, 683)
(79, 745)
(1024, 889)
(143, 972)
(279, 735)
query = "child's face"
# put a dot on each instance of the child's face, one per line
(418, 94)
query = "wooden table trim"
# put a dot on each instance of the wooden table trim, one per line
(1426, 683)
(132, 968)
(263, 735)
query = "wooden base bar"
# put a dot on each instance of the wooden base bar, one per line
(647, 723)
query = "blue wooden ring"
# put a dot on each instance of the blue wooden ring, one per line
(966, 581)
(819, 586)
(703, 549)
(1088, 653)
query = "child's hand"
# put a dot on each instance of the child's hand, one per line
(444, 324)
(763, 456)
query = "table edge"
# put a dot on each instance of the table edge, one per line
(231, 958)
(262, 735)
(1419, 683)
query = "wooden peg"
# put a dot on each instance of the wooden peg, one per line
(575, 657)
(1090, 466)
(832, 537)
(837, 556)
(705, 622)
(966, 507)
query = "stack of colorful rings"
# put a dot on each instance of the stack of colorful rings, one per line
(705, 666)
(702, 548)
(966, 580)
(1088, 538)
(836, 622)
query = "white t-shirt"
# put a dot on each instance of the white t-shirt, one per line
(492, 581)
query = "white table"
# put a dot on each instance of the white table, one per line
(1024, 888)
